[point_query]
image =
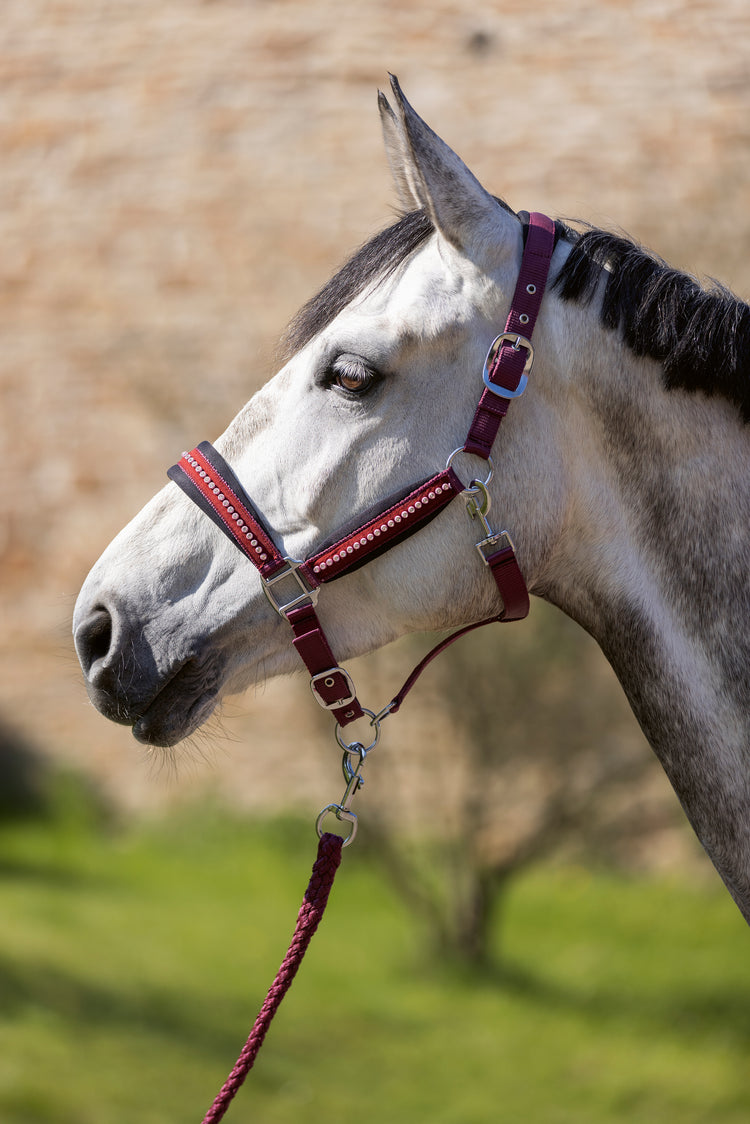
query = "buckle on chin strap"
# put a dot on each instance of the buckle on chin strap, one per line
(498, 553)
(327, 687)
(308, 594)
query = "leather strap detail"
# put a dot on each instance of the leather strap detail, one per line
(509, 579)
(332, 687)
(399, 697)
(509, 363)
(209, 481)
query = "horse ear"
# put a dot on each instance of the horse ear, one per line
(429, 174)
(399, 157)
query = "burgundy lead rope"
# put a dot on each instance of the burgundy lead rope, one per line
(311, 911)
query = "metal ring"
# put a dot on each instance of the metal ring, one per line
(349, 746)
(335, 809)
(490, 465)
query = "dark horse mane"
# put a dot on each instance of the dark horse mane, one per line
(699, 335)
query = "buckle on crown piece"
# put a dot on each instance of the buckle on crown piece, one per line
(518, 342)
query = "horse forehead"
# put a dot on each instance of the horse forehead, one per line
(428, 297)
(432, 291)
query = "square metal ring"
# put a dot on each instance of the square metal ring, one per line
(307, 594)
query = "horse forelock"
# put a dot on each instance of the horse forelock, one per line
(700, 335)
(372, 263)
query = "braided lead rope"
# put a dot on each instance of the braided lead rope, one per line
(311, 911)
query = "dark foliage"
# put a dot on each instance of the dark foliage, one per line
(24, 777)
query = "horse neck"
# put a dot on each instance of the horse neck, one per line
(652, 560)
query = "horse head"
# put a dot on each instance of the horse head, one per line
(380, 385)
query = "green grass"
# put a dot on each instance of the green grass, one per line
(132, 966)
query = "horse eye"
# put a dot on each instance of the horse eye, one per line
(353, 378)
(353, 383)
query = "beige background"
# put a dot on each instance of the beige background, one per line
(177, 177)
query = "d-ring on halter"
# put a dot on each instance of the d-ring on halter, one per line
(209, 481)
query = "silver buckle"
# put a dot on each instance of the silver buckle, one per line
(309, 594)
(325, 676)
(518, 341)
(489, 546)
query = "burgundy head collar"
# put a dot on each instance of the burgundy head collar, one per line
(209, 481)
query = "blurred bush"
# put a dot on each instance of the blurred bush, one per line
(25, 788)
(34, 786)
(539, 758)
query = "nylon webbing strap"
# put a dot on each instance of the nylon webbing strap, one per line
(508, 366)
(509, 580)
(330, 684)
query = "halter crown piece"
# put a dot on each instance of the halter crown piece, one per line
(209, 481)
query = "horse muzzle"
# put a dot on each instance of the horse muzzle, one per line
(126, 685)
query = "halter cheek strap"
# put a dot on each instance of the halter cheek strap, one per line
(209, 481)
(508, 364)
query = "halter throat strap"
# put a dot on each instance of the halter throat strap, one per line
(208, 480)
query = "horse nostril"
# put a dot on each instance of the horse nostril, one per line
(94, 638)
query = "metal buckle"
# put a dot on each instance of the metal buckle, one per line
(518, 341)
(487, 547)
(328, 680)
(308, 594)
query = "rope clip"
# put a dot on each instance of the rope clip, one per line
(351, 765)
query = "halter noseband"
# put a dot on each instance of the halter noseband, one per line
(209, 481)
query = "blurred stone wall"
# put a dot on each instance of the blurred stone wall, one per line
(176, 178)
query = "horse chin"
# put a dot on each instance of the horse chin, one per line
(164, 725)
(183, 704)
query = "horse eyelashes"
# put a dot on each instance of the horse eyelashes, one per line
(352, 375)
(352, 384)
